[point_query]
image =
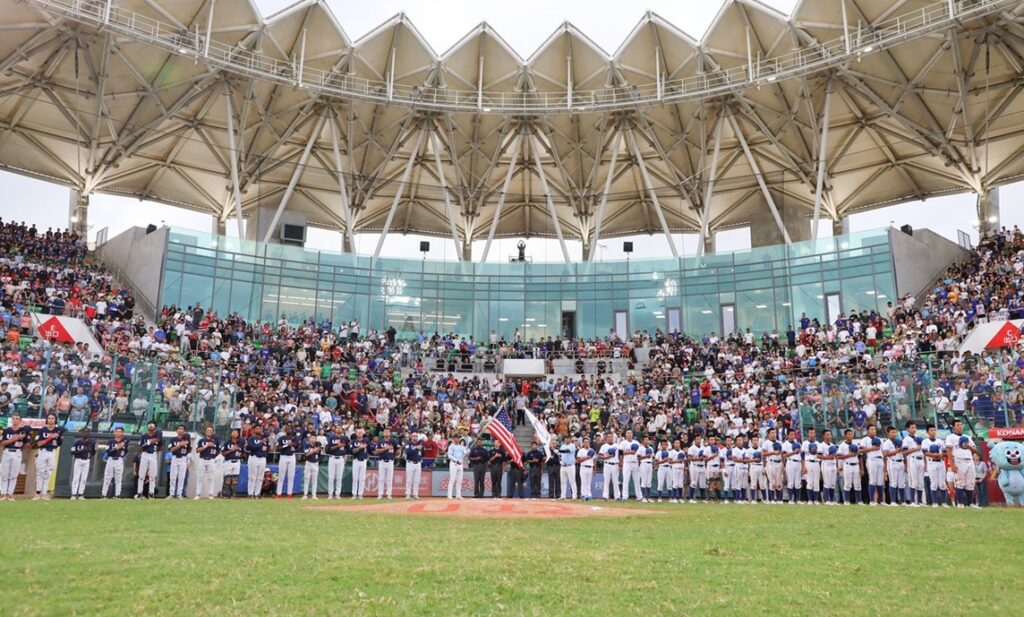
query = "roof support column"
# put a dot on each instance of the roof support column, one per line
(988, 211)
(706, 212)
(651, 192)
(760, 178)
(346, 213)
(501, 196)
(290, 190)
(823, 147)
(604, 196)
(78, 214)
(398, 193)
(444, 191)
(236, 194)
(551, 203)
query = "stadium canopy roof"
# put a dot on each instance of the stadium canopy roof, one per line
(842, 106)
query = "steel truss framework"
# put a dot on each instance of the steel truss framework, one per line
(768, 119)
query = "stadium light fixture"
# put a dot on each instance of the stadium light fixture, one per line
(761, 306)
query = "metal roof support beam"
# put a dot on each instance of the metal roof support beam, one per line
(604, 195)
(822, 150)
(235, 192)
(299, 167)
(398, 193)
(346, 213)
(651, 192)
(760, 177)
(444, 191)
(551, 204)
(709, 193)
(501, 196)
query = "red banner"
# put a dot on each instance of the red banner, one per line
(53, 330)
(1008, 336)
(1012, 433)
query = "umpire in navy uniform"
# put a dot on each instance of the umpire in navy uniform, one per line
(535, 458)
(478, 456)
(496, 459)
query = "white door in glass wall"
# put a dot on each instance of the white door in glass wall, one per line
(832, 307)
(728, 319)
(622, 324)
(674, 322)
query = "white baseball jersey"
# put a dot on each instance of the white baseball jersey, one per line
(866, 443)
(628, 451)
(960, 455)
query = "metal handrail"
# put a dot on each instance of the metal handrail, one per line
(853, 45)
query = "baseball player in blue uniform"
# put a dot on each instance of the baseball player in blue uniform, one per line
(150, 445)
(287, 446)
(48, 440)
(181, 446)
(336, 448)
(456, 462)
(12, 440)
(208, 449)
(385, 451)
(232, 452)
(585, 458)
(256, 446)
(311, 452)
(359, 447)
(413, 466)
(113, 469)
(895, 466)
(567, 462)
(82, 450)
(914, 454)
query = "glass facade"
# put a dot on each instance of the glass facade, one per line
(761, 289)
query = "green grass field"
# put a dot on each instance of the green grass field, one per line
(277, 558)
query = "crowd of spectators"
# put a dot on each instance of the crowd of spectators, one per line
(195, 366)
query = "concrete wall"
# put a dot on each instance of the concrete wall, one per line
(919, 259)
(764, 231)
(256, 226)
(138, 257)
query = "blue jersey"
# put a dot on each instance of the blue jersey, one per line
(311, 451)
(360, 449)
(181, 446)
(83, 449)
(232, 450)
(256, 446)
(45, 433)
(117, 450)
(19, 435)
(286, 445)
(150, 443)
(209, 453)
(337, 445)
(414, 452)
(388, 448)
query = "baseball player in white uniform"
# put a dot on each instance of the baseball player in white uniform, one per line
(608, 454)
(207, 448)
(413, 466)
(848, 457)
(678, 458)
(14, 438)
(771, 450)
(915, 465)
(646, 456)
(630, 448)
(827, 452)
(585, 459)
(697, 455)
(714, 467)
(336, 448)
(935, 457)
(812, 468)
(663, 463)
(48, 441)
(456, 462)
(871, 448)
(792, 453)
(895, 466)
(741, 469)
(181, 446)
(961, 450)
(311, 453)
(758, 479)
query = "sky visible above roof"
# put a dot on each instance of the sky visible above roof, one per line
(524, 24)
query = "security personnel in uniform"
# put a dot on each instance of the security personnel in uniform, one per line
(208, 448)
(516, 481)
(496, 459)
(117, 451)
(478, 457)
(535, 459)
(553, 465)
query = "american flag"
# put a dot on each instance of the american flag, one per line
(501, 427)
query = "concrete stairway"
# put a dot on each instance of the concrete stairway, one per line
(524, 436)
